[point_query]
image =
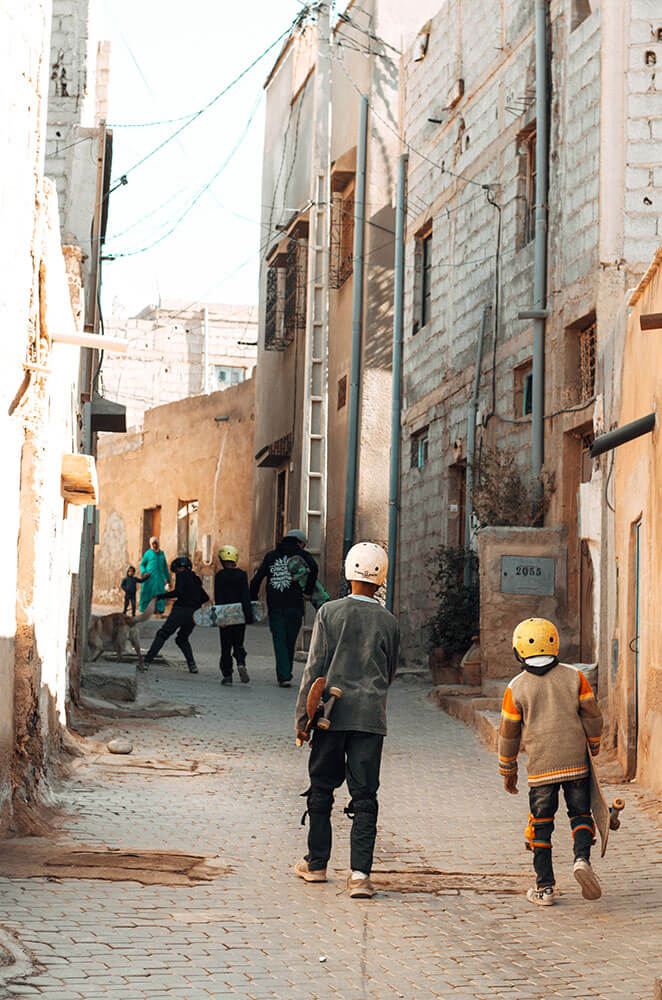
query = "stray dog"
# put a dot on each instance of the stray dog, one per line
(115, 629)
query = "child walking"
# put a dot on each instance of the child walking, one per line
(355, 646)
(130, 586)
(231, 587)
(550, 710)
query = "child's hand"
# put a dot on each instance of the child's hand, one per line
(510, 783)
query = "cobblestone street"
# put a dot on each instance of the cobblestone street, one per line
(256, 932)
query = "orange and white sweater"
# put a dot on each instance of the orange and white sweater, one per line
(550, 716)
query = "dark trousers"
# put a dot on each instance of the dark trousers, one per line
(284, 625)
(232, 642)
(179, 619)
(130, 599)
(543, 802)
(336, 757)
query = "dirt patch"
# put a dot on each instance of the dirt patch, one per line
(135, 764)
(36, 858)
(433, 881)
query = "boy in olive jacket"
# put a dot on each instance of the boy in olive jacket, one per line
(550, 710)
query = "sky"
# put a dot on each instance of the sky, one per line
(168, 60)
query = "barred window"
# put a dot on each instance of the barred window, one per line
(526, 185)
(287, 282)
(587, 362)
(341, 241)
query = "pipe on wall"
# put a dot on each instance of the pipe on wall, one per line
(357, 329)
(396, 391)
(621, 435)
(471, 445)
(540, 251)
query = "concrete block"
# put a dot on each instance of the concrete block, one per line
(112, 682)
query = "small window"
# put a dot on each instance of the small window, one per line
(227, 375)
(422, 280)
(419, 449)
(581, 9)
(341, 235)
(523, 389)
(285, 313)
(342, 391)
(580, 361)
(587, 361)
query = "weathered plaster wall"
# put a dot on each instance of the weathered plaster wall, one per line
(164, 360)
(182, 453)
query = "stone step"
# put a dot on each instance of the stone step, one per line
(469, 705)
(112, 682)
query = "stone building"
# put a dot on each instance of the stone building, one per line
(48, 483)
(310, 281)
(175, 350)
(469, 119)
(186, 476)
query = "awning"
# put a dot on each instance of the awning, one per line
(107, 415)
(275, 453)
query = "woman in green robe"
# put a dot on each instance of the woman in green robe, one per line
(155, 574)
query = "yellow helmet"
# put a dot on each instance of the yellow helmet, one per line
(228, 554)
(535, 637)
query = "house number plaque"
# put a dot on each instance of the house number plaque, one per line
(527, 575)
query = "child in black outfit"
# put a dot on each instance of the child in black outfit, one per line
(231, 587)
(130, 586)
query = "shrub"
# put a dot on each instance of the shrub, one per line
(503, 495)
(457, 616)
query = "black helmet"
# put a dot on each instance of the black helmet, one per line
(181, 562)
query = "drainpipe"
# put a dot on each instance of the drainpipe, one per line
(357, 329)
(471, 447)
(540, 259)
(205, 350)
(396, 393)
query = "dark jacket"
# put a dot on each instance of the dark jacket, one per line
(189, 592)
(282, 590)
(231, 587)
(354, 645)
(130, 585)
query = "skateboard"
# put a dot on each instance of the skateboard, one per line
(318, 709)
(606, 817)
(300, 569)
(219, 615)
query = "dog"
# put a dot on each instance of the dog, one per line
(115, 629)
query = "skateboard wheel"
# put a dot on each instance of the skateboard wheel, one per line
(619, 804)
(324, 724)
(335, 692)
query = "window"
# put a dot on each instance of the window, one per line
(342, 391)
(187, 527)
(523, 389)
(580, 361)
(422, 280)
(281, 497)
(419, 449)
(227, 375)
(581, 9)
(287, 283)
(341, 237)
(526, 222)
(586, 338)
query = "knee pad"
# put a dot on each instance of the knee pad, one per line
(583, 822)
(538, 832)
(320, 802)
(367, 806)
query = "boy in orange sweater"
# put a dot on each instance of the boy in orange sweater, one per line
(549, 709)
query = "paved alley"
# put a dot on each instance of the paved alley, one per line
(257, 933)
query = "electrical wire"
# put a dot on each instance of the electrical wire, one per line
(61, 149)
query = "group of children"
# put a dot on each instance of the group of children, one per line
(548, 708)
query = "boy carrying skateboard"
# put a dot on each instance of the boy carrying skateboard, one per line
(550, 710)
(355, 647)
(231, 587)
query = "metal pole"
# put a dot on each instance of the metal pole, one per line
(205, 350)
(357, 328)
(396, 392)
(540, 259)
(471, 445)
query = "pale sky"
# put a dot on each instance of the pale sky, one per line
(169, 59)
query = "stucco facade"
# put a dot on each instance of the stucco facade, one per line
(197, 453)
(168, 359)
(469, 109)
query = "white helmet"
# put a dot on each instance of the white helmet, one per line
(366, 561)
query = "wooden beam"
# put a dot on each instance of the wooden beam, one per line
(79, 480)
(651, 321)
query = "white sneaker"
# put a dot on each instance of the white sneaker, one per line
(541, 897)
(587, 879)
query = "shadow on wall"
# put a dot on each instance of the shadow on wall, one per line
(111, 560)
(378, 338)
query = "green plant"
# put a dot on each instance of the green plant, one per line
(456, 618)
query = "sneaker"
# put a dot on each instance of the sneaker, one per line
(303, 871)
(192, 669)
(284, 684)
(360, 888)
(226, 680)
(587, 879)
(243, 675)
(541, 897)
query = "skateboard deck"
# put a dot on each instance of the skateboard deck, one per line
(318, 710)
(599, 806)
(219, 615)
(299, 569)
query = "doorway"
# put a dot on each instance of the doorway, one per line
(187, 527)
(151, 526)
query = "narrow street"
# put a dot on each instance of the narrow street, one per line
(256, 932)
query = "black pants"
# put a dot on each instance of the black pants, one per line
(179, 619)
(336, 757)
(232, 642)
(543, 802)
(130, 599)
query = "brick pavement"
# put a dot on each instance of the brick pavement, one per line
(258, 933)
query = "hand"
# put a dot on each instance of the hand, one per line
(146, 576)
(510, 783)
(302, 737)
